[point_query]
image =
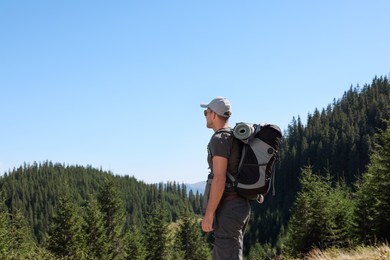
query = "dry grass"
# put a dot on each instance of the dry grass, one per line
(360, 253)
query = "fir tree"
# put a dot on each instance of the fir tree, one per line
(5, 242)
(156, 234)
(373, 194)
(260, 252)
(321, 216)
(93, 227)
(134, 244)
(190, 239)
(65, 235)
(112, 209)
(21, 236)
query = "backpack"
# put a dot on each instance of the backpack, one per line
(259, 155)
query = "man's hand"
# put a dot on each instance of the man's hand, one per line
(207, 223)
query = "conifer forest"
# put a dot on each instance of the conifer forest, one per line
(332, 191)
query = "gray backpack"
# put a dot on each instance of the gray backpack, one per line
(260, 153)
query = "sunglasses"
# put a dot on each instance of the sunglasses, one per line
(206, 112)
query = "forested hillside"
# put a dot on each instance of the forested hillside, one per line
(330, 169)
(77, 212)
(335, 143)
(35, 189)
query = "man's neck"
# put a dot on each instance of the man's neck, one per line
(220, 126)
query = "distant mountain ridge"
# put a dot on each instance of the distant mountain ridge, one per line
(196, 187)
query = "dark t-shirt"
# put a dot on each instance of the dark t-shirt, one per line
(223, 144)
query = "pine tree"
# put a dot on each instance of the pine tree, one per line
(373, 194)
(134, 244)
(5, 242)
(93, 227)
(341, 207)
(112, 209)
(21, 236)
(308, 218)
(321, 216)
(65, 234)
(156, 234)
(190, 239)
(260, 252)
(20, 240)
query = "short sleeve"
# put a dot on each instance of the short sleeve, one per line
(220, 145)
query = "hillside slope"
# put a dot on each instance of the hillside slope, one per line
(337, 140)
(35, 189)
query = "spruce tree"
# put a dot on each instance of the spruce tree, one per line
(190, 239)
(112, 209)
(260, 252)
(5, 242)
(321, 216)
(134, 244)
(21, 236)
(373, 194)
(342, 209)
(95, 236)
(308, 217)
(65, 234)
(156, 234)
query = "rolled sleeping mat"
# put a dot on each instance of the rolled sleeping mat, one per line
(243, 131)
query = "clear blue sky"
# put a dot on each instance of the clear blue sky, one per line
(117, 84)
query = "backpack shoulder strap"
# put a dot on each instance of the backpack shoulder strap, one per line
(231, 178)
(224, 130)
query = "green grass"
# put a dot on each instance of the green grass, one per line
(359, 253)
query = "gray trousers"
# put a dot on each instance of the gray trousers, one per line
(231, 219)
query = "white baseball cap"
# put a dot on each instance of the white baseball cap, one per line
(219, 105)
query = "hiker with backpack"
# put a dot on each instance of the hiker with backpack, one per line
(225, 212)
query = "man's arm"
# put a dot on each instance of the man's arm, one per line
(216, 191)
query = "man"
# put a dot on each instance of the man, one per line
(226, 213)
